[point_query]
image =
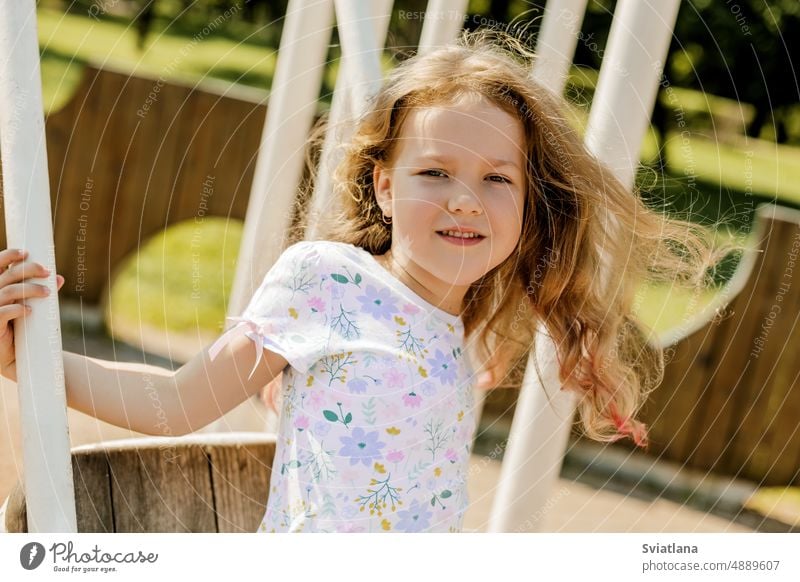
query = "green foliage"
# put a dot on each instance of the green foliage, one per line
(181, 278)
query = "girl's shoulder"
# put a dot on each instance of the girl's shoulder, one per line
(323, 252)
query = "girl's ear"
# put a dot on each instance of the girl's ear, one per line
(382, 183)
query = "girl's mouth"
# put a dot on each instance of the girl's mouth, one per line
(468, 240)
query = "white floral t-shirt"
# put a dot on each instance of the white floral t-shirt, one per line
(376, 408)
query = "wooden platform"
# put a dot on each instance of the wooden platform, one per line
(200, 483)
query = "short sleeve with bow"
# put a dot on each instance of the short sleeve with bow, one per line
(288, 312)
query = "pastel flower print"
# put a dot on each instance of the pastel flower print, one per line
(349, 511)
(350, 475)
(414, 519)
(357, 386)
(410, 309)
(443, 366)
(316, 304)
(315, 400)
(379, 303)
(428, 388)
(301, 423)
(451, 455)
(395, 456)
(362, 447)
(336, 290)
(412, 399)
(392, 410)
(394, 378)
(322, 428)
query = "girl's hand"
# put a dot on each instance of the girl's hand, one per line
(13, 289)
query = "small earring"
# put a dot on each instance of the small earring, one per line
(384, 219)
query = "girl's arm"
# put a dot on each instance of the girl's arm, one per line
(156, 401)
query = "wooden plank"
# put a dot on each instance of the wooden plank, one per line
(245, 148)
(92, 497)
(195, 164)
(162, 491)
(749, 400)
(249, 141)
(770, 459)
(125, 162)
(92, 493)
(240, 477)
(81, 204)
(163, 129)
(673, 410)
(58, 126)
(219, 130)
(728, 389)
(94, 166)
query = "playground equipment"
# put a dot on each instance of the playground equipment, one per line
(620, 113)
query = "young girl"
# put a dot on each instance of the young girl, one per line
(468, 211)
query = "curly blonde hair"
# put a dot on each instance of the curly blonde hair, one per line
(578, 220)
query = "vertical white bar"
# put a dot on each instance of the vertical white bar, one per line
(626, 89)
(290, 115)
(338, 129)
(40, 367)
(638, 43)
(555, 45)
(360, 50)
(444, 20)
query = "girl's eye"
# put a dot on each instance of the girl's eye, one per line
(502, 179)
(432, 172)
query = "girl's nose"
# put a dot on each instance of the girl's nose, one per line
(464, 201)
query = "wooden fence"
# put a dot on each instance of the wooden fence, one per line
(129, 156)
(730, 399)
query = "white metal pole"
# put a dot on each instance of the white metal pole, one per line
(628, 84)
(444, 20)
(361, 52)
(40, 368)
(638, 43)
(290, 115)
(338, 129)
(555, 46)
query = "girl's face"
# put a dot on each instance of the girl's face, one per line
(458, 167)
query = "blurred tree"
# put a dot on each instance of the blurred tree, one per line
(741, 49)
(144, 20)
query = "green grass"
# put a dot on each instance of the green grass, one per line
(755, 166)
(781, 503)
(68, 41)
(181, 278)
(665, 307)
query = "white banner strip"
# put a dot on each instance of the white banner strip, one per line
(390, 557)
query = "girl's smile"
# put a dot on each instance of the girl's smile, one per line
(455, 189)
(460, 238)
